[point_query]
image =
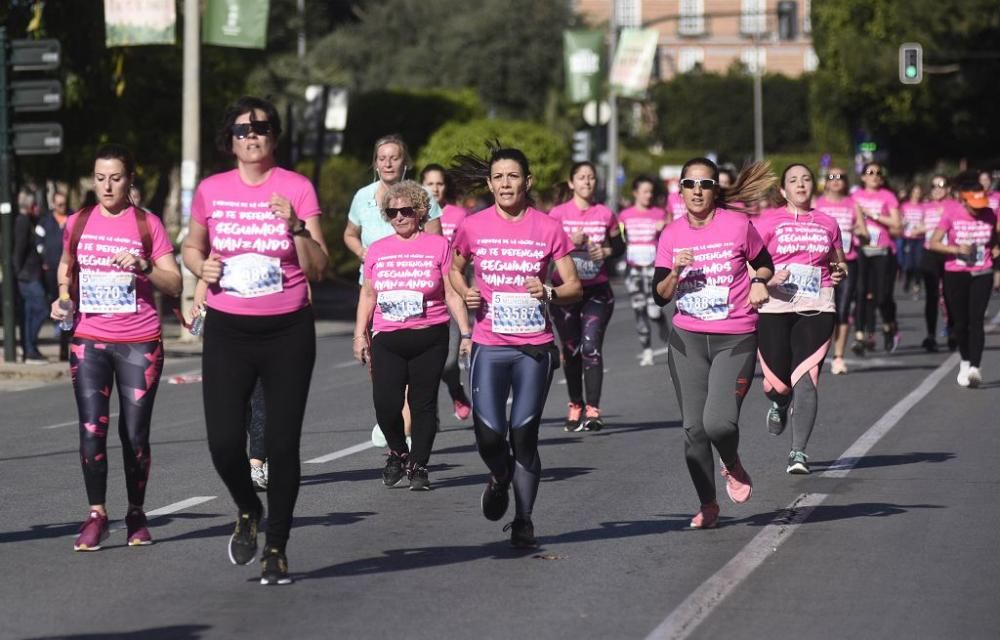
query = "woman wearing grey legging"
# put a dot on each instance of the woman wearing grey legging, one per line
(701, 260)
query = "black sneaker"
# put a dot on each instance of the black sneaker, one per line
(890, 340)
(495, 499)
(522, 533)
(243, 542)
(395, 469)
(929, 345)
(858, 348)
(418, 478)
(274, 567)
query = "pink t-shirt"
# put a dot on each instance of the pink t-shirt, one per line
(962, 227)
(875, 206)
(120, 303)
(796, 241)
(504, 254)
(843, 212)
(713, 295)
(642, 228)
(994, 198)
(597, 222)
(676, 207)
(913, 216)
(408, 279)
(451, 216)
(260, 274)
(933, 212)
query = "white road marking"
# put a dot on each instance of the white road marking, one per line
(73, 422)
(170, 508)
(343, 453)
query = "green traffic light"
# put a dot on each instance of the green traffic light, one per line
(911, 71)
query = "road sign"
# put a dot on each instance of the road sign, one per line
(37, 138)
(35, 55)
(36, 95)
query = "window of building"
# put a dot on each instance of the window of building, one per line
(810, 61)
(690, 59)
(629, 13)
(692, 18)
(754, 58)
(753, 17)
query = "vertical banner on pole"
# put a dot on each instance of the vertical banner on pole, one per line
(633, 63)
(136, 22)
(582, 60)
(235, 23)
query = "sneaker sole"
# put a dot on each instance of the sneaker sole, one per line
(797, 470)
(97, 547)
(710, 525)
(280, 581)
(419, 487)
(139, 543)
(482, 507)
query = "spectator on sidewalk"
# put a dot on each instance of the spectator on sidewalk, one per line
(52, 225)
(27, 267)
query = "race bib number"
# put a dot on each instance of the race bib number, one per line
(586, 268)
(515, 313)
(107, 292)
(874, 233)
(641, 255)
(803, 281)
(251, 275)
(397, 306)
(846, 239)
(708, 303)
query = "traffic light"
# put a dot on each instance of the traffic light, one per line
(788, 17)
(911, 63)
(581, 146)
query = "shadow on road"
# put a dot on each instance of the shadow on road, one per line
(174, 632)
(830, 513)
(888, 460)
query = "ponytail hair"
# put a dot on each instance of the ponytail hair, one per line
(470, 171)
(753, 184)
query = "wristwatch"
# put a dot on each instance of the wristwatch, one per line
(149, 268)
(550, 293)
(299, 229)
(756, 279)
(466, 336)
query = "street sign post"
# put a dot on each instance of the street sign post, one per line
(37, 138)
(36, 95)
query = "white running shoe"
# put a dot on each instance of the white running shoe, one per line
(378, 438)
(647, 358)
(963, 373)
(975, 377)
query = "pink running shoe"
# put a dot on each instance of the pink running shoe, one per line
(707, 518)
(93, 532)
(462, 410)
(138, 532)
(739, 486)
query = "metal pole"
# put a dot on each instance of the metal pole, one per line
(613, 120)
(6, 210)
(302, 29)
(758, 99)
(190, 136)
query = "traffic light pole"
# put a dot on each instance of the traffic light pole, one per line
(6, 209)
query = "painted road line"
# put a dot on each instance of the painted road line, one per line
(73, 422)
(167, 510)
(683, 620)
(343, 453)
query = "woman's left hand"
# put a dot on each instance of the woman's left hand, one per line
(465, 346)
(535, 287)
(758, 294)
(596, 252)
(837, 272)
(128, 262)
(282, 208)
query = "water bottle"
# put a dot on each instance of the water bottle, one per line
(66, 304)
(198, 323)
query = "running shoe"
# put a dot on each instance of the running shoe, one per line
(243, 542)
(137, 529)
(378, 438)
(930, 345)
(395, 469)
(593, 420)
(952, 344)
(777, 418)
(797, 463)
(647, 358)
(419, 481)
(522, 533)
(890, 341)
(963, 373)
(573, 418)
(858, 348)
(274, 567)
(495, 499)
(462, 410)
(738, 483)
(258, 476)
(838, 367)
(93, 532)
(707, 517)
(975, 377)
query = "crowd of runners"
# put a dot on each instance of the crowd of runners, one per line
(732, 269)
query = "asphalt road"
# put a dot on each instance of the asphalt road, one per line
(893, 535)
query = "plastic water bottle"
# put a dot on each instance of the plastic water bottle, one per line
(66, 304)
(198, 323)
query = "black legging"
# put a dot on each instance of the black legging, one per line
(877, 276)
(137, 366)
(413, 357)
(451, 375)
(968, 296)
(845, 293)
(281, 351)
(932, 267)
(581, 328)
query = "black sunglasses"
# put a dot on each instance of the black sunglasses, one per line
(940, 184)
(835, 176)
(242, 130)
(872, 172)
(407, 212)
(704, 183)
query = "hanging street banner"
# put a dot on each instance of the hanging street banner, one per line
(633, 64)
(136, 22)
(582, 61)
(235, 23)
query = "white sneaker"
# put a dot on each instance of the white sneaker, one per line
(964, 368)
(647, 358)
(975, 377)
(378, 438)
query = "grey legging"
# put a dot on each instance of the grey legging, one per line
(712, 373)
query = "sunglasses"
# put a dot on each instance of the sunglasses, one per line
(704, 183)
(940, 184)
(406, 212)
(835, 176)
(872, 172)
(242, 130)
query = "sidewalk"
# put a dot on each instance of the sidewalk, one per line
(334, 302)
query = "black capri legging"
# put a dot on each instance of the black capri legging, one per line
(280, 350)
(95, 365)
(968, 297)
(877, 276)
(846, 292)
(413, 357)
